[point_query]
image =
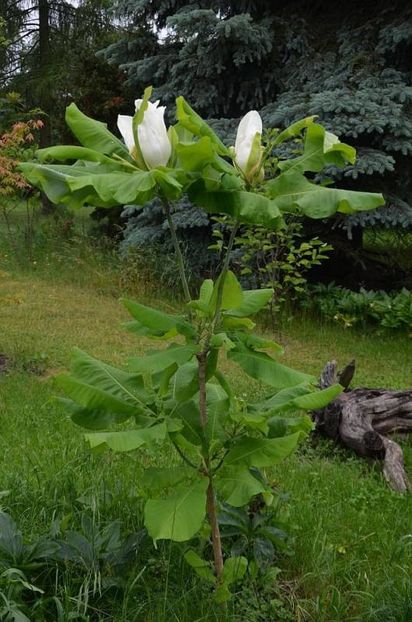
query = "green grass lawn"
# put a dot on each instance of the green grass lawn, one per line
(352, 553)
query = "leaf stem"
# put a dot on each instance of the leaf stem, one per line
(222, 277)
(179, 256)
(183, 456)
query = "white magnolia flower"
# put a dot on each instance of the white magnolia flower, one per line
(154, 143)
(125, 125)
(248, 150)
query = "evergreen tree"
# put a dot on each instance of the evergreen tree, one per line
(359, 82)
(350, 63)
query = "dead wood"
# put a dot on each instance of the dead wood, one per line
(362, 419)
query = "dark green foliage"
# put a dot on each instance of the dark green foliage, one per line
(358, 81)
(91, 561)
(257, 532)
(75, 32)
(209, 53)
(278, 260)
(349, 63)
(382, 309)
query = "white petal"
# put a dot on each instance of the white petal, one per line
(153, 139)
(125, 125)
(246, 132)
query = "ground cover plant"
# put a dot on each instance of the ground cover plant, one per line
(385, 310)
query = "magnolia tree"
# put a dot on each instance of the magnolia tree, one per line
(178, 395)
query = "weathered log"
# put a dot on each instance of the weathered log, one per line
(362, 418)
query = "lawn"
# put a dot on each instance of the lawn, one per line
(352, 553)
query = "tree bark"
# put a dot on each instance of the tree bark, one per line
(44, 91)
(362, 418)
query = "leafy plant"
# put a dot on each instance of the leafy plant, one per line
(100, 551)
(15, 553)
(255, 532)
(178, 396)
(91, 559)
(387, 310)
(279, 261)
(17, 560)
(13, 583)
(15, 147)
(16, 144)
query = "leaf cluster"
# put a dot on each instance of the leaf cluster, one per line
(382, 309)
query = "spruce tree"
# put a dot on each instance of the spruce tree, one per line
(350, 63)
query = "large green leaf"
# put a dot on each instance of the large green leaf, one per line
(234, 569)
(292, 192)
(190, 120)
(171, 185)
(261, 452)
(300, 397)
(186, 382)
(246, 207)
(118, 383)
(127, 440)
(231, 323)
(255, 342)
(253, 301)
(195, 156)
(263, 367)
(99, 185)
(318, 399)
(156, 480)
(73, 152)
(94, 134)
(102, 394)
(53, 181)
(282, 426)
(159, 360)
(156, 323)
(232, 295)
(282, 401)
(293, 130)
(179, 516)
(95, 399)
(321, 149)
(201, 567)
(237, 486)
(92, 418)
(117, 188)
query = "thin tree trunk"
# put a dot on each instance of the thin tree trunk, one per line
(44, 94)
(216, 541)
(202, 358)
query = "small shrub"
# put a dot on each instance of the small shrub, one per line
(280, 260)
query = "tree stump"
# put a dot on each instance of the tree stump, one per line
(361, 419)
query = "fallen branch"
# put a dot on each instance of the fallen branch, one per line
(362, 418)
